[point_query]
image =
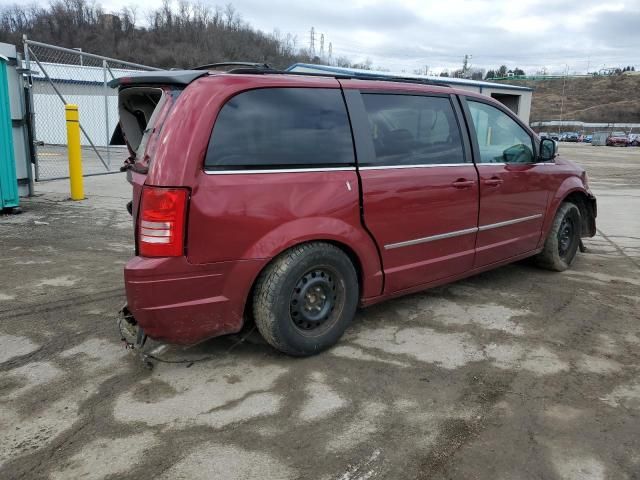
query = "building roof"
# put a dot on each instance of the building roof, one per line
(78, 74)
(308, 67)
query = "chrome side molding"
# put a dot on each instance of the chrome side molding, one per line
(459, 233)
(509, 222)
(432, 238)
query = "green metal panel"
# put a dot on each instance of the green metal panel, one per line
(8, 181)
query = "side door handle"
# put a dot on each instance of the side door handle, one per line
(493, 181)
(463, 183)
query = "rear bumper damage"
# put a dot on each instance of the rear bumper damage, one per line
(131, 334)
(173, 301)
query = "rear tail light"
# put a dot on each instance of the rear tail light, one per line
(161, 229)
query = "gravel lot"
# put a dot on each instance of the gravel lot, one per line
(516, 373)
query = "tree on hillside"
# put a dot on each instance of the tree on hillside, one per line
(502, 71)
(490, 74)
(185, 35)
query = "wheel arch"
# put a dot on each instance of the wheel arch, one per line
(585, 204)
(343, 246)
(572, 191)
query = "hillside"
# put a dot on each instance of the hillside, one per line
(588, 99)
(185, 35)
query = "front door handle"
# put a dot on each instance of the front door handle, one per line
(462, 183)
(493, 181)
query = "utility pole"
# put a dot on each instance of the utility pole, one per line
(564, 83)
(465, 64)
(322, 45)
(312, 43)
(330, 52)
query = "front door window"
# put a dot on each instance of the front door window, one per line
(500, 138)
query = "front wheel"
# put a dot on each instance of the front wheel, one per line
(306, 298)
(562, 243)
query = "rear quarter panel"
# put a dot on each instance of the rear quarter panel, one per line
(256, 215)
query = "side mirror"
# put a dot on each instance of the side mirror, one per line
(518, 154)
(548, 150)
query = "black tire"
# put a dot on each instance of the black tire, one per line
(305, 299)
(562, 244)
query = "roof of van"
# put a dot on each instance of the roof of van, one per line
(185, 77)
(355, 72)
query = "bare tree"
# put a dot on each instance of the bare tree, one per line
(181, 35)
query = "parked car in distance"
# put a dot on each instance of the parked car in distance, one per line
(634, 139)
(572, 137)
(294, 199)
(617, 139)
(587, 138)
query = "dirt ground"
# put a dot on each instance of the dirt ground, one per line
(517, 373)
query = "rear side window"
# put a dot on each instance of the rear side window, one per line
(413, 130)
(281, 128)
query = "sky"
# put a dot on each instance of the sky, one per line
(405, 35)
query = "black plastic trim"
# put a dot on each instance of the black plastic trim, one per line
(255, 65)
(162, 77)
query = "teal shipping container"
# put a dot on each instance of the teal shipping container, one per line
(9, 197)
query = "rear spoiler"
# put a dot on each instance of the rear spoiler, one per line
(159, 77)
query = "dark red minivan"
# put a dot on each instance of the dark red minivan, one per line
(292, 199)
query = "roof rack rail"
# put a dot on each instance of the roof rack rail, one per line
(251, 65)
(344, 76)
(419, 81)
(249, 68)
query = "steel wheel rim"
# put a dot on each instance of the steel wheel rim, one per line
(565, 236)
(314, 299)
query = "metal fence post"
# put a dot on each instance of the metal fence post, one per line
(106, 111)
(31, 119)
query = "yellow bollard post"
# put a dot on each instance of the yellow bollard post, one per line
(75, 156)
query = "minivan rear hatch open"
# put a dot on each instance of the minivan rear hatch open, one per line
(144, 102)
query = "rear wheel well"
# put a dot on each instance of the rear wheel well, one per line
(248, 307)
(580, 200)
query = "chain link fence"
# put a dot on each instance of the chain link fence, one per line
(60, 76)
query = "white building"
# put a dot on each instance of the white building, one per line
(79, 84)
